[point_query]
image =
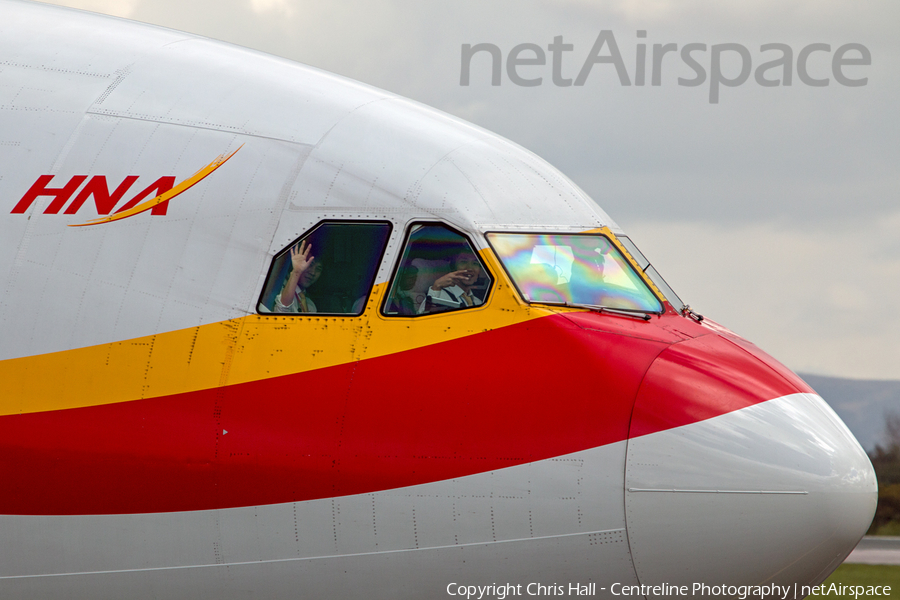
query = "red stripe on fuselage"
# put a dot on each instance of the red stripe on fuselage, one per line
(523, 393)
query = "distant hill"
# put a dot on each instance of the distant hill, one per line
(860, 403)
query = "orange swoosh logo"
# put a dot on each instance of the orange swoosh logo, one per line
(178, 189)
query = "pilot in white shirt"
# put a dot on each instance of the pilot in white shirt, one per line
(454, 290)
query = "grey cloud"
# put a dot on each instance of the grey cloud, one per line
(815, 299)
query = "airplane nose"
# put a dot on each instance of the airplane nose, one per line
(738, 474)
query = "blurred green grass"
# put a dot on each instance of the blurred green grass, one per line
(853, 574)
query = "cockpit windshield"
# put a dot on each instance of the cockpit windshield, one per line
(574, 269)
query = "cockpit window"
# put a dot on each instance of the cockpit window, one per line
(330, 270)
(439, 271)
(574, 269)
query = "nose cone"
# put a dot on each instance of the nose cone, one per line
(738, 474)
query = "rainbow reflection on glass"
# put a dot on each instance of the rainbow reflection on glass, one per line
(573, 269)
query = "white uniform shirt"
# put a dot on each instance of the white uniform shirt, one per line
(450, 297)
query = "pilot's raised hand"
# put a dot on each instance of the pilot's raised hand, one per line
(300, 258)
(300, 262)
(461, 278)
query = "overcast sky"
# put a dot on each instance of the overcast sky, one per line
(775, 211)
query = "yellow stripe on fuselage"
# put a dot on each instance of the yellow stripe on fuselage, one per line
(241, 350)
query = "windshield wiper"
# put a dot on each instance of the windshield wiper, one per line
(622, 312)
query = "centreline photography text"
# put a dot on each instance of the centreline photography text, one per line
(501, 591)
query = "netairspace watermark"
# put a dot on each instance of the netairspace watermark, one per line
(706, 63)
(501, 591)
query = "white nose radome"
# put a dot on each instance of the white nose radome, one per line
(775, 493)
